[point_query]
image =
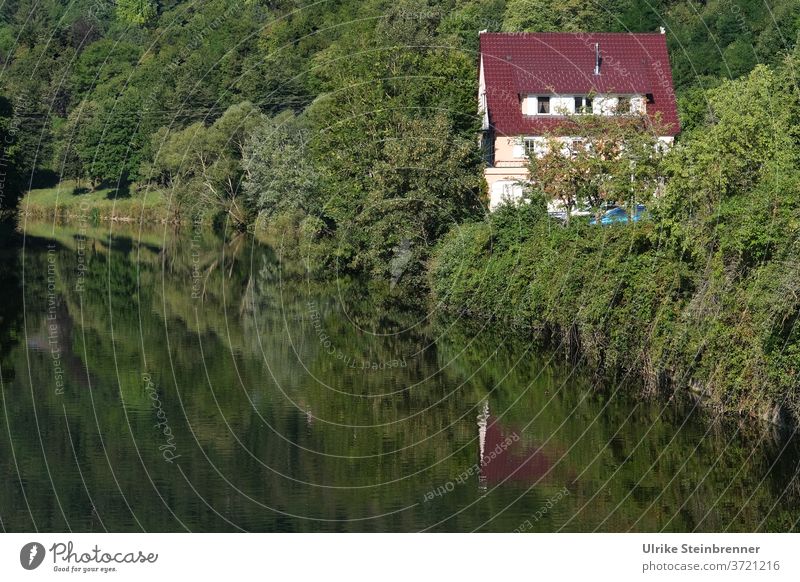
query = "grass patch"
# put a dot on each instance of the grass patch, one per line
(68, 202)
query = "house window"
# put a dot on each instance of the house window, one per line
(535, 146)
(536, 105)
(583, 104)
(543, 105)
(624, 105)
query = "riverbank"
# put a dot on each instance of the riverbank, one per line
(69, 202)
(627, 303)
(624, 302)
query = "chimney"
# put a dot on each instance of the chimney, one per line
(597, 58)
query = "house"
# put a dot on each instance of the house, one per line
(530, 82)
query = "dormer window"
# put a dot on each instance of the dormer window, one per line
(543, 105)
(583, 104)
(537, 105)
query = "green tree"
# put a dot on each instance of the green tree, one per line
(617, 159)
(138, 12)
(112, 139)
(104, 69)
(205, 162)
(424, 184)
(280, 175)
(68, 163)
(9, 170)
(748, 136)
(544, 16)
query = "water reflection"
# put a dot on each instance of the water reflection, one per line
(505, 457)
(208, 385)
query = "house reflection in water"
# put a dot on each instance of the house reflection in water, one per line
(504, 457)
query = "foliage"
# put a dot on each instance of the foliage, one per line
(136, 11)
(615, 160)
(747, 145)
(727, 38)
(206, 161)
(73, 154)
(393, 141)
(423, 185)
(280, 174)
(112, 138)
(9, 179)
(351, 71)
(544, 16)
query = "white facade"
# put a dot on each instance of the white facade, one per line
(556, 105)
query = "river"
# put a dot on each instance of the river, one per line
(174, 381)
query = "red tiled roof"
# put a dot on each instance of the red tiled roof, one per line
(563, 63)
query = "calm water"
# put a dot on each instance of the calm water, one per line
(160, 382)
